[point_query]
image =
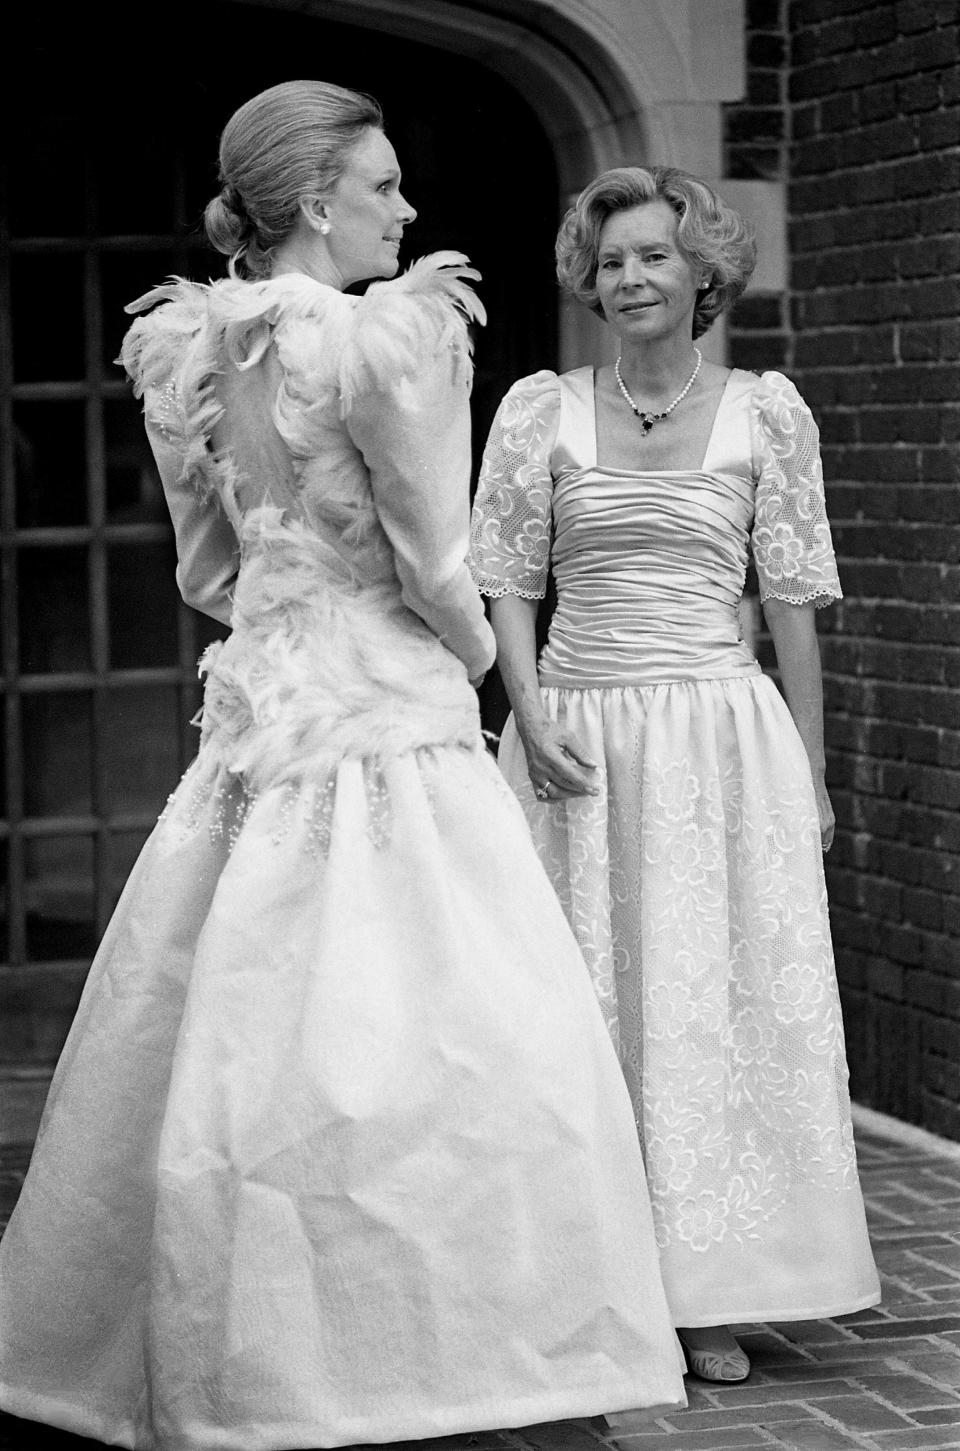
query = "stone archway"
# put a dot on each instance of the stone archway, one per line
(606, 81)
(611, 83)
(568, 78)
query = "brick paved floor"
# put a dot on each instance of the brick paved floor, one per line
(886, 1379)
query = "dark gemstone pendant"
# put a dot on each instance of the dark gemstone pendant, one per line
(646, 423)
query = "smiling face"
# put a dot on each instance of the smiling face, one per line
(645, 284)
(367, 213)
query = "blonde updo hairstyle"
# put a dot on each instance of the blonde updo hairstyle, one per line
(287, 142)
(713, 237)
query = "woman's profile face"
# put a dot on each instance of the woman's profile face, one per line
(367, 213)
(645, 284)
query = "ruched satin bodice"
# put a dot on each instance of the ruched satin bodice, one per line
(649, 567)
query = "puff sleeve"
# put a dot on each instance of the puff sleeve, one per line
(208, 553)
(404, 382)
(511, 529)
(163, 356)
(792, 547)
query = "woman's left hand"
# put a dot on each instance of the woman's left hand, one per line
(825, 812)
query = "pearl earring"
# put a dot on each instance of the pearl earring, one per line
(324, 229)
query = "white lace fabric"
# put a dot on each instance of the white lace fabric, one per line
(512, 524)
(511, 528)
(693, 880)
(792, 547)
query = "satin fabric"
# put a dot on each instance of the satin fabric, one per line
(694, 879)
(338, 1150)
(648, 568)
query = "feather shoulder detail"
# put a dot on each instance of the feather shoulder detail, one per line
(398, 325)
(184, 336)
(167, 353)
(156, 343)
(248, 313)
(238, 317)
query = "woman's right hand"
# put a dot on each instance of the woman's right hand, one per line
(558, 763)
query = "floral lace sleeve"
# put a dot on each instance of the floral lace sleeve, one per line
(792, 547)
(511, 528)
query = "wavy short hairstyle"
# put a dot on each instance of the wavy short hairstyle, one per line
(712, 236)
(285, 143)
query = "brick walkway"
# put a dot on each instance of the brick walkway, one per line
(883, 1380)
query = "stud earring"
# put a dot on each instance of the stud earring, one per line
(324, 229)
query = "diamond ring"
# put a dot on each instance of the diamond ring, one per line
(542, 792)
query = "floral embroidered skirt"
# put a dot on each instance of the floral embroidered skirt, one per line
(694, 884)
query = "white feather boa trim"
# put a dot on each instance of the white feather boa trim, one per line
(189, 331)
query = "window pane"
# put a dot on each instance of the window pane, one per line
(59, 898)
(143, 605)
(4, 903)
(56, 754)
(125, 276)
(134, 493)
(203, 263)
(144, 155)
(49, 450)
(207, 630)
(43, 287)
(54, 632)
(47, 196)
(141, 765)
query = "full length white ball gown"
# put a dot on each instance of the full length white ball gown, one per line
(694, 879)
(338, 1149)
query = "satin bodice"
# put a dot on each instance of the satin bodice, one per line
(649, 567)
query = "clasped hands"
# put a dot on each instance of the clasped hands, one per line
(558, 765)
(560, 770)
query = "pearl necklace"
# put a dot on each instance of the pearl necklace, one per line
(647, 420)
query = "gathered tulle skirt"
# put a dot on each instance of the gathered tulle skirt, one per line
(338, 1149)
(694, 884)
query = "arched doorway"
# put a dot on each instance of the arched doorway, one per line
(500, 110)
(106, 185)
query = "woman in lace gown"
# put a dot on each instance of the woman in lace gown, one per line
(678, 804)
(338, 1149)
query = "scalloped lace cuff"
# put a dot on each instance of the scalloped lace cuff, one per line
(818, 599)
(495, 589)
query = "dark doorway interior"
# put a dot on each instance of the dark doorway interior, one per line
(111, 158)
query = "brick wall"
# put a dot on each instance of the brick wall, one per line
(874, 201)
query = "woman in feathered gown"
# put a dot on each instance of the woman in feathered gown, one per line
(338, 1149)
(677, 802)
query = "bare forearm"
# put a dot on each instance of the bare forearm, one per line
(798, 656)
(794, 636)
(558, 763)
(514, 623)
